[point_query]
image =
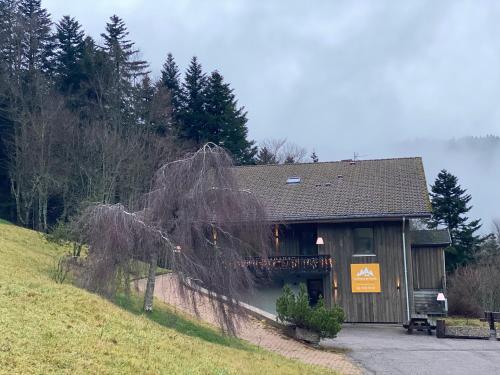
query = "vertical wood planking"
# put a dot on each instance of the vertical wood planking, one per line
(428, 267)
(387, 306)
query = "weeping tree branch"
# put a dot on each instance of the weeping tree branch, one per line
(195, 220)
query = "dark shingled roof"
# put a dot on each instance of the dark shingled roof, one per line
(339, 190)
(435, 237)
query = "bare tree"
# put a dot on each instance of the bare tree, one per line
(282, 151)
(195, 220)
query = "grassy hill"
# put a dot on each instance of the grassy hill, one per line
(47, 327)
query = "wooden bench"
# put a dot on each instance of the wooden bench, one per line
(491, 317)
(420, 322)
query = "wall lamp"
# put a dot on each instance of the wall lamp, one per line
(320, 241)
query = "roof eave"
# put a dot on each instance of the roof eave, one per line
(350, 218)
(434, 244)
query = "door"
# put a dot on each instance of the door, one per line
(315, 290)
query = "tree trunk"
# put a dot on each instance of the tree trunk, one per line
(150, 286)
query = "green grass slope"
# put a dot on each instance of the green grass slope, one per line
(47, 327)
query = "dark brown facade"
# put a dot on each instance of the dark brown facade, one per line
(394, 303)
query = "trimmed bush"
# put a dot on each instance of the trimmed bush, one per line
(295, 309)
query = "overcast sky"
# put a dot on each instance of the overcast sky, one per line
(378, 78)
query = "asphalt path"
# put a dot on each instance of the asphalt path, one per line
(390, 350)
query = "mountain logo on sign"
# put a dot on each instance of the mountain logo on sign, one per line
(365, 272)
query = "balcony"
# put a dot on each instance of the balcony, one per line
(294, 263)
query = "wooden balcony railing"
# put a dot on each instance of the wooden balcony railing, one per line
(295, 263)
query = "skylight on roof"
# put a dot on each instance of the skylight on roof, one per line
(293, 180)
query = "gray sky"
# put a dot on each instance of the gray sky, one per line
(380, 78)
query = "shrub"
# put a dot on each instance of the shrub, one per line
(60, 270)
(473, 289)
(295, 309)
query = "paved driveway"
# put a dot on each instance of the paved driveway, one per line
(390, 350)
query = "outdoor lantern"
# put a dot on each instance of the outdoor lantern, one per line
(214, 235)
(276, 237)
(320, 241)
(441, 297)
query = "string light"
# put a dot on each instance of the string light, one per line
(304, 263)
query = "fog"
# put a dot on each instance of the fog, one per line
(475, 161)
(379, 78)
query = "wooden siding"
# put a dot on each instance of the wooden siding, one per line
(428, 267)
(389, 306)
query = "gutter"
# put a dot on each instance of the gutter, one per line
(406, 272)
(345, 219)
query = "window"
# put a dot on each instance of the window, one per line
(306, 234)
(293, 180)
(363, 241)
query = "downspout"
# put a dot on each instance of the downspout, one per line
(406, 273)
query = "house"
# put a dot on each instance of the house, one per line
(344, 229)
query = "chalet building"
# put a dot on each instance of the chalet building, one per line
(344, 229)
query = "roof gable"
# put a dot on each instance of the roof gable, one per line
(339, 190)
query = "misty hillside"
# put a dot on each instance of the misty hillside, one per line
(474, 160)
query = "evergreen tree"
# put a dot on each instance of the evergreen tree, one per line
(121, 50)
(265, 156)
(8, 35)
(450, 204)
(96, 81)
(170, 79)
(144, 99)
(37, 41)
(192, 119)
(124, 69)
(226, 123)
(314, 157)
(69, 54)
(153, 106)
(7, 51)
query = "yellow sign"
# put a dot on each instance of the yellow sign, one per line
(365, 278)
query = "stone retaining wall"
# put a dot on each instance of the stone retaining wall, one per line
(461, 332)
(467, 332)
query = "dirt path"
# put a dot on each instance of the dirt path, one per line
(256, 332)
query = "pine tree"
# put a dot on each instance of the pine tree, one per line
(69, 54)
(96, 81)
(121, 50)
(7, 51)
(124, 70)
(193, 117)
(265, 156)
(144, 100)
(226, 123)
(450, 204)
(170, 79)
(8, 23)
(37, 41)
(314, 157)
